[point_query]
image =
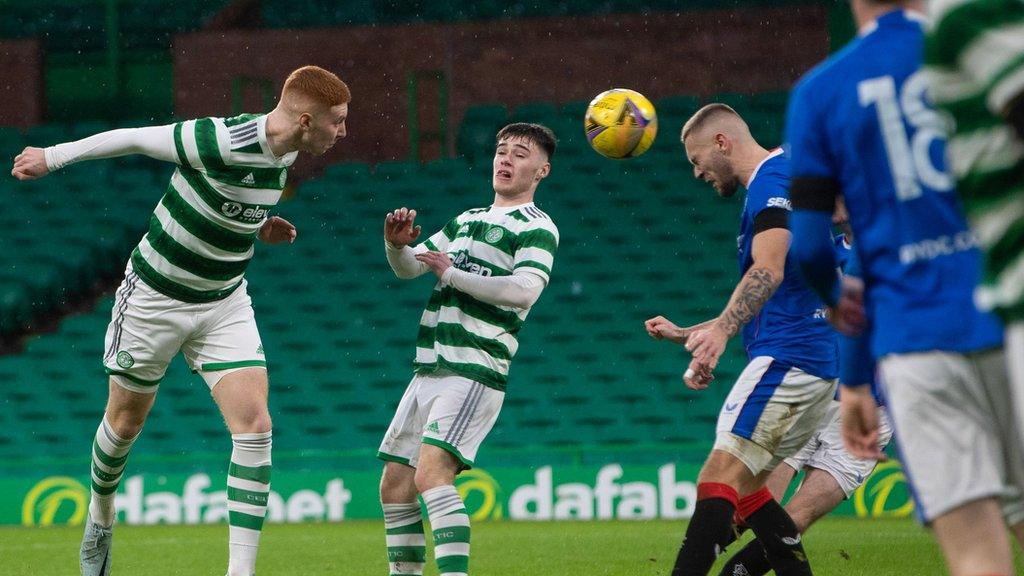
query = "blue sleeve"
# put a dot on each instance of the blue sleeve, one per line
(769, 190)
(807, 140)
(809, 155)
(814, 253)
(856, 365)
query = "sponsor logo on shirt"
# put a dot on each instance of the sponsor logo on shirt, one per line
(235, 211)
(462, 263)
(779, 202)
(932, 248)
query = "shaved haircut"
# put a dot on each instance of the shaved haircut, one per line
(715, 114)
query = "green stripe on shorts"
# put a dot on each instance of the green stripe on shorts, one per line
(215, 366)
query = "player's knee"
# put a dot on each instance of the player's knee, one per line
(256, 420)
(428, 477)
(396, 485)
(260, 422)
(126, 423)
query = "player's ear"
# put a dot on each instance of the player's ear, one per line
(543, 172)
(722, 142)
(305, 120)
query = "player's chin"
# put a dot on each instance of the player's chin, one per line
(321, 149)
(725, 191)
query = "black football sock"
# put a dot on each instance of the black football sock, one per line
(710, 529)
(752, 560)
(777, 533)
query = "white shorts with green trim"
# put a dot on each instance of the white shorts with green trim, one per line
(443, 409)
(957, 434)
(826, 451)
(147, 330)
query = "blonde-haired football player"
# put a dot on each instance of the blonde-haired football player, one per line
(184, 288)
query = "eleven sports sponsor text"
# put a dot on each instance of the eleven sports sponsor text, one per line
(603, 492)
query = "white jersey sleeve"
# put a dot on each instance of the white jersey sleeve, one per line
(153, 141)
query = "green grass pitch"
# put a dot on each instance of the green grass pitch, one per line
(837, 546)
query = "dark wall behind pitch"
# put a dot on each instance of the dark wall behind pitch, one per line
(513, 62)
(21, 83)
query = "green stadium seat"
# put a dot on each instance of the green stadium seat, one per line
(340, 330)
(476, 132)
(538, 113)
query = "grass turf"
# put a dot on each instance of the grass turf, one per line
(836, 546)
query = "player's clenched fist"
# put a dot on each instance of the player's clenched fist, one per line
(661, 328)
(30, 164)
(277, 230)
(698, 376)
(399, 229)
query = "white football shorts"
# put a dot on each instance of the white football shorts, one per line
(825, 451)
(147, 329)
(443, 409)
(771, 413)
(956, 433)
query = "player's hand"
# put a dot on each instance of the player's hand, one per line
(30, 164)
(438, 261)
(698, 376)
(277, 230)
(661, 328)
(858, 417)
(399, 230)
(707, 345)
(848, 316)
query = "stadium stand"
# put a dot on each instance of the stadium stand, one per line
(81, 26)
(638, 238)
(298, 13)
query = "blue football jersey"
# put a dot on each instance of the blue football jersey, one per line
(861, 119)
(791, 327)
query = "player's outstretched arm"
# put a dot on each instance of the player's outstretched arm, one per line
(768, 251)
(661, 328)
(153, 141)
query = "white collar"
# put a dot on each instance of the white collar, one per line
(753, 174)
(507, 209)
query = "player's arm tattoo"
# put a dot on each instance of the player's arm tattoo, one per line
(755, 289)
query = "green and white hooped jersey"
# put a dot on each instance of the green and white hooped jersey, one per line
(202, 232)
(974, 57)
(462, 334)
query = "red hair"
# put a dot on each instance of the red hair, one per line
(317, 84)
